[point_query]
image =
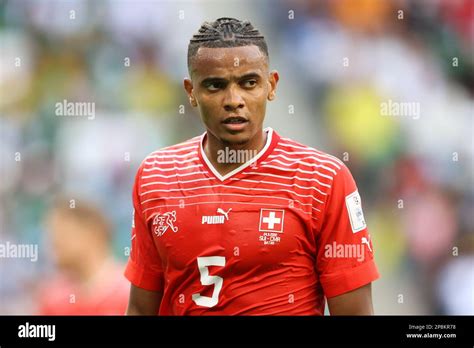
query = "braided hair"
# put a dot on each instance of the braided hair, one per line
(226, 32)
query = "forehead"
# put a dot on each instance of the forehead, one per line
(228, 60)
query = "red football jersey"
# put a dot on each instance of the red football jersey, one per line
(272, 237)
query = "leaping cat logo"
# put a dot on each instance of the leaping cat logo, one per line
(225, 213)
(366, 241)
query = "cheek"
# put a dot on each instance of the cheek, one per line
(257, 102)
(209, 108)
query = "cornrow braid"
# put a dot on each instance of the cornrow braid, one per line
(226, 32)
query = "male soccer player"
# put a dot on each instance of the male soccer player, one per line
(275, 235)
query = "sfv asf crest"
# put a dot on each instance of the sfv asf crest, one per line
(163, 222)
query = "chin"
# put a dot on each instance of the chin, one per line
(240, 138)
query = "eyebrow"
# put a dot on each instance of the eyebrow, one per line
(222, 79)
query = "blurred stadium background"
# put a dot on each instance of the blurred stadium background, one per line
(339, 62)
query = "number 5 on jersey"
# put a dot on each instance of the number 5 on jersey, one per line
(206, 279)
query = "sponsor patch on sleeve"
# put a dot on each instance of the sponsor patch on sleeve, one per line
(354, 209)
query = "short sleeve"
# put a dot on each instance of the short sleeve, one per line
(144, 268)
(345, 259)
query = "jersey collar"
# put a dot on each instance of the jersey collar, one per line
(271, 142)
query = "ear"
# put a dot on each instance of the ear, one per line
(273, 79)
(188, 87)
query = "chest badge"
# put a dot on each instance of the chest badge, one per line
(163, 222)
(271, 225)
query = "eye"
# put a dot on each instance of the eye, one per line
(249, 83)
(215, 86)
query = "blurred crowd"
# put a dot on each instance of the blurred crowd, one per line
(341, 63)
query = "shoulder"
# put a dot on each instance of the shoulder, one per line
(173, 154)
(291, 149)
(175, 151)
(166, 161)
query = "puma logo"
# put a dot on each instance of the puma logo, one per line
(216, 219)
(366, 241)
(225, 213)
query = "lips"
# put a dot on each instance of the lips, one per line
(235, 123)
(234, 120)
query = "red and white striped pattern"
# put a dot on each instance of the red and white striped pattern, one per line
(286, 173)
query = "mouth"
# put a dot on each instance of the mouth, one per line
(235, 123)
(235, 120)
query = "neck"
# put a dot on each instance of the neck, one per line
(224, 156)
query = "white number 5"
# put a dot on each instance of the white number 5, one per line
(206, 279)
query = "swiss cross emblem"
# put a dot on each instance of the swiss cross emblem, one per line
(271, 220)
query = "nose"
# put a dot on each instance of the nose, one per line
(233, 100)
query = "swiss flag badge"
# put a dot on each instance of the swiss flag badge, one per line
(271, 220)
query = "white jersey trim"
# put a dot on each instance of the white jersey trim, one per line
(243, 166)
